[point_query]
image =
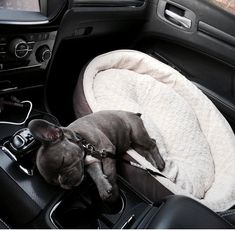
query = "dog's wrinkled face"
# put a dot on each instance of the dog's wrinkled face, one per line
(60, 160)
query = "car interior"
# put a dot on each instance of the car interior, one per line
(44, 47)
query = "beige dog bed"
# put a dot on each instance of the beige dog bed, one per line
(193, 137)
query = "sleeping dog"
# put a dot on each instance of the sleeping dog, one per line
(66, 151)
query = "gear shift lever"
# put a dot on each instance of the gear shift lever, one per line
(21, 142)
(20, 147)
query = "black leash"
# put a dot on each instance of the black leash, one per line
(90, 150)
(136, 165)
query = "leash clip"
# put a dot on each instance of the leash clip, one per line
(90, 148)
(103, 154)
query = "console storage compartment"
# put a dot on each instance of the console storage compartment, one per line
(82, 208)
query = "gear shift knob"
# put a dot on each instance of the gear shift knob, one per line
(21, 142)
(18, 142)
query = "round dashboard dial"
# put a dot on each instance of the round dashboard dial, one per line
(19, 48)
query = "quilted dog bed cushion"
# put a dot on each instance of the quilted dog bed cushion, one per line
(193, 137)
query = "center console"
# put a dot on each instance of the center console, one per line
(24, 194)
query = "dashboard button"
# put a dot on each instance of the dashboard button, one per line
(43, 53)
(18, 142)
(19, 48)
(21, 53)
(22, 46)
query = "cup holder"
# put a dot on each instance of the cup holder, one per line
(82, 208)
(77, 217)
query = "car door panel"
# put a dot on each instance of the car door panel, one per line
(203, 51)
(206, 34)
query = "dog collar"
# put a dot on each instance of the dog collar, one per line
(90, 149)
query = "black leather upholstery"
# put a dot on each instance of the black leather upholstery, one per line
(179, 212)
(225, 106)
(229, 215)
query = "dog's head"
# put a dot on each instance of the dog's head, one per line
(60, 159)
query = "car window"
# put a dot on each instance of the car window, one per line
(228, 5)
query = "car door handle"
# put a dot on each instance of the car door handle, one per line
(183, 21)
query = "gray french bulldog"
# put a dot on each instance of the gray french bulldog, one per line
(61, 158)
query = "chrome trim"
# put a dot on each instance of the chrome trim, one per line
(23, 142)
(44, 53)
(25, 170)
(6, 151)
(16, 49)
(19, 68)
(131, 218)
(24, 22)
(58, 203)
(183, 21)
(123, 205)
(9, 88)
(12, 156)
(52, 211)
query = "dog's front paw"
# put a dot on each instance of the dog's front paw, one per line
(105, 189)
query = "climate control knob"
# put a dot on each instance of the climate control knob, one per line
(19, 48)
(43, 53)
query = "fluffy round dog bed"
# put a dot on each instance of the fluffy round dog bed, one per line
(193, 137)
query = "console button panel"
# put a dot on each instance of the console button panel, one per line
(26, 50)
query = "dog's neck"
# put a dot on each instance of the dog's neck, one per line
(91, 151)
(88, 158)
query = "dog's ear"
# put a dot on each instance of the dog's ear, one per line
(44, 131)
